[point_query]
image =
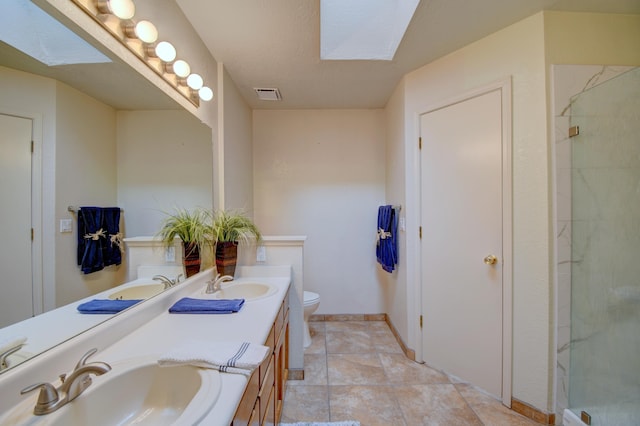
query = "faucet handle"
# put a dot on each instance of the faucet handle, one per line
(47, 398)
(84, 358)
(3, 357)
(177, 280)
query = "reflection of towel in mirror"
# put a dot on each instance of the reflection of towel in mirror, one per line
(106, 306)
(98, 238)
(227, 357)
(387, 247)
(187, 305)
(111, 249)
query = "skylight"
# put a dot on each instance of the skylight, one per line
(363, 29)
(32, 31)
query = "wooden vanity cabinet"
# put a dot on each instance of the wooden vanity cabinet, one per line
(261, 403)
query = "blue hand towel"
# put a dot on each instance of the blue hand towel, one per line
(106, 306)
(387, 247)
(187, 305)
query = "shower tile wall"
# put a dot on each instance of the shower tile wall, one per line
(568, 81)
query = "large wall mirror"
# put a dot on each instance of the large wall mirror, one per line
(103, 135)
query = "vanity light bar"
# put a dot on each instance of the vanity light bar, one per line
(116, 16)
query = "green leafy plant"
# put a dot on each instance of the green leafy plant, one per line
(233, 226)
(192, 227)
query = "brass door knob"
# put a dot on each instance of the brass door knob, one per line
(491, 260)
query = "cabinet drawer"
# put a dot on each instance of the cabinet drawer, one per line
(282, 313)
(271, 343)
(248, 402)
(255, 418)
(269, 418)
(266, 387)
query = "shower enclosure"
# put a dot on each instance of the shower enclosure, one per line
(604, 373)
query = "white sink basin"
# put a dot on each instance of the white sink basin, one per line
(143, 394)
(246, 291)
(143, 291)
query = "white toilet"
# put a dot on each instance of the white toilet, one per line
(311, 303)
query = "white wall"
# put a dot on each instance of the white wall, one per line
(522, 51)
(77, 160)
(31, 96)
(164, 161)
(321, 173)
(516, 51)
(85, 165)
(395, 284)
(236, 132)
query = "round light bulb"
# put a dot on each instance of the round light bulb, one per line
(123, 9)
(146, 32)
(205, 93)
(194, 81)
(166, 51)
(181, 68)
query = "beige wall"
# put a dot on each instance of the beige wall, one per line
(516, 51)
(592, 38)
(164, 161)
(78, 137)
(321, 173)
(85, 164)
(395, 284)
(31, 96)
(236, 131)
(524, 52)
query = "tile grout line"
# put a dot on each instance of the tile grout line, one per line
(326, 361)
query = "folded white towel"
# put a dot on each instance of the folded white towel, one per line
(227, 357)
(11, 342)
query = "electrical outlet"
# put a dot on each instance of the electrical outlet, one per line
(170, 254)
(261, 254)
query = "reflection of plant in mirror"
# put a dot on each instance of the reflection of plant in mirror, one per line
(194, 229)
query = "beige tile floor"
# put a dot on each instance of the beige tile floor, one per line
(355, 370)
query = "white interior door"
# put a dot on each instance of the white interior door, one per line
(462, 224)
(16, 285)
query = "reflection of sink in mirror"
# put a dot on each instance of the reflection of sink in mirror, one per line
(137, 392)
(136, 292)
(247, 291)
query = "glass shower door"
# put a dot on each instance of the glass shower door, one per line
(605, 275)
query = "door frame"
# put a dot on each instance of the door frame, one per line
(504, 86)
(37, 282)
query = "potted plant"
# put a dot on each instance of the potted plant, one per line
(229, 228)
(194, 229)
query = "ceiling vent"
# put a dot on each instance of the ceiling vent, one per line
(265, 94)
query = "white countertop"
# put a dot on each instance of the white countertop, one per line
(48, 329)
(150, 330)
(158, 336)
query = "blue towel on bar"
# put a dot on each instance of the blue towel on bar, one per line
(387, 246)
(106, 306)
(187, 305)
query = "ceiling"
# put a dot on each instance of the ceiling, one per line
(276, 43)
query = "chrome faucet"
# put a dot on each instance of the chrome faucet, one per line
(167, 281)
(215, 284)
(52, 398)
